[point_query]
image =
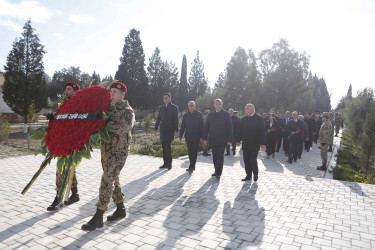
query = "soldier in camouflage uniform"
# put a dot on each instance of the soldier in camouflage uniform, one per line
(71, 88)
(325, 137)
(114, 154)
(332, 120)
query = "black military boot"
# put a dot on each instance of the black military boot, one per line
(54, 205)
(73, 198)
(118, 214)
(330, 149)
(95, 222)
(323, 167)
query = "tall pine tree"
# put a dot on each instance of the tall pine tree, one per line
(183, 90)
(156, 82)
(95, 78)
(131, 71)
(350, 92)
(197, 81)
(24, 74)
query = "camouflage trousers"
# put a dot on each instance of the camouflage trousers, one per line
(60, 179)
(323, 152)
(110, 184)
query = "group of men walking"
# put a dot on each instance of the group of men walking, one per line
(220, 131)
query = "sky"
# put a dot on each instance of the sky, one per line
(339, 35)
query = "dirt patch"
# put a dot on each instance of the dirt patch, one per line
(18, 145)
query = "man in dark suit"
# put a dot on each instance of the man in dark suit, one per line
(312, 128)
(294, 129)
(279, 122)
(285, 132)
(192, 126)
(251, 133)
(168, 121)
(219, 128)
(235, 125)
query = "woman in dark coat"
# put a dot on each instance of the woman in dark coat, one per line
(271, 130)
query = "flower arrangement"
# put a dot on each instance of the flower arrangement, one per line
(78, 125)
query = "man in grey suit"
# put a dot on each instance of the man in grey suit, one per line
(168, 121)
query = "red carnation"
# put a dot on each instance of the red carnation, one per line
(64, 136)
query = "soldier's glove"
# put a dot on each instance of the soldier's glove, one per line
(99, 115)
(50, 116)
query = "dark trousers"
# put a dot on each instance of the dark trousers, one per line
(300, 149)
(167, 152)
(251, 163)
(285, 142)
(293, 151)
(279, 140)
(233, 148)
(193, 152)
(308, 143)
(218, 158)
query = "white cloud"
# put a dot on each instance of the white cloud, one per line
(24, 10)
(58, 11)
(58, 35)
(80, 19)
(120, 7)
(11, 25)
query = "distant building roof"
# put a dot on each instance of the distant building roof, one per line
(4, 108)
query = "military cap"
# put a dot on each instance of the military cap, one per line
(325, 114)
(74, 85)
(235, 111)
(119, 85)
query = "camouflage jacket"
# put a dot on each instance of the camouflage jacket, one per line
(122, 123)
(325, 132)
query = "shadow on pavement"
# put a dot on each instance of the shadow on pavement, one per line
(244, 221)
(196, 211)
(355, 188)
(149, 204)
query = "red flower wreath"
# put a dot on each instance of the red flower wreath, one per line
(66, 135)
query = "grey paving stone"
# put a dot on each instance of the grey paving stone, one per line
(291, 206)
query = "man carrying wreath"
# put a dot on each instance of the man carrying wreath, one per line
(71, 88)
(113, 157)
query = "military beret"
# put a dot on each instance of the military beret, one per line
(119, 85)
(74, 85)
(325, 114)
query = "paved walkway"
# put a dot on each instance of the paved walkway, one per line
(291, 207)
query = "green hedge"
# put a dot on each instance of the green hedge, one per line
(350, 168)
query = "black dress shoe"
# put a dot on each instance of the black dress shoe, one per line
(246, 179)
(255, 178)
(213, 175)
(169, 166)
(190, 170)
(234, 153)
(54, 206)
(164, 166)
(206, 154)
(118, 214)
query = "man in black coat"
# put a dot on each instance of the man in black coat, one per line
(192, 125)
(294, 129)
(168, 121)
(284, 124)
(279, 122)
(251, 133)
(235, 125)
(312, 128)
(219, 128)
